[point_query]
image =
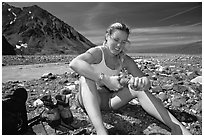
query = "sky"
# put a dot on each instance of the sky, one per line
(160, 23)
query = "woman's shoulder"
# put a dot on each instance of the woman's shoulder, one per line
(127, 59)
(95, 52)
(96, 49)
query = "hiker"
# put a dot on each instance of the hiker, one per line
(100, 89)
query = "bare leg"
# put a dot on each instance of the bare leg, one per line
(91, 102)
(150, 104)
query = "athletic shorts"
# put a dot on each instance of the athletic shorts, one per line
(105, 95)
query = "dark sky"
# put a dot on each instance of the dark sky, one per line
(89, 15)
(92, 18)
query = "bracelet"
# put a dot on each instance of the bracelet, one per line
(101, 77)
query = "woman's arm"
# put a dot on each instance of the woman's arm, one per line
(82, 63)
(133, 69)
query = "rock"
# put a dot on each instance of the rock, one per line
(46, 75)
(160, 69)
(178, 77)
(76, 82)
(38, 103)
(189, 73)
(180, 82)
(194, 74)
(157, 89)
(71, 87)
(179, 88)
(177, 102)
(172, 66)
(190, 89)
(198, 107)
(155, 83)
(154, 77)
(65, 91)
(52, 77)
(63, 81)
(74, 75)
(138, 60)
(199, 88)
(167, 86)
(162, 96)
(198, 79)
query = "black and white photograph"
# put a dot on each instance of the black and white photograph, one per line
(101, 68)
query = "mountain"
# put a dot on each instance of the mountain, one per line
(42, 32)
(7, 48)
(191, 48)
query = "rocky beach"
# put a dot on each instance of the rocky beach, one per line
(176, 81)
(38, 45)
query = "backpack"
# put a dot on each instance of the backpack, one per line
(14, 114)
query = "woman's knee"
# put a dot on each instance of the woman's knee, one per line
(87, 84)
(84, 83)
(84, 80)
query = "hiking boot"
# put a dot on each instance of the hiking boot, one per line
(52, 116)
(48, 101)
(64, 108)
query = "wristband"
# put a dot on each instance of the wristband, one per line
(101, 77)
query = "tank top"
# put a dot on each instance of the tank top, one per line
(103, 68)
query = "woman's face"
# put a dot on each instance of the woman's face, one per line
(117, 41)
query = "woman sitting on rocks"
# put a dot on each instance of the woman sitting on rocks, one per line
(100, 88)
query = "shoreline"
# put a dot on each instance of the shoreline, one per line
(34, 71)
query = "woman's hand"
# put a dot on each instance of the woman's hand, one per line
(111, 82)
(137, 83)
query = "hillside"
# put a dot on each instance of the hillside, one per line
(42, 32)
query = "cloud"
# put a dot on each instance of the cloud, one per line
(165, 36)
(179, 13)
(168, 29)
(96, 16)
(106, 13)
(92, 18)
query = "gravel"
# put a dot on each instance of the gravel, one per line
(171, 83)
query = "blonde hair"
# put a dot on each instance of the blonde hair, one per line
(117, 26)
